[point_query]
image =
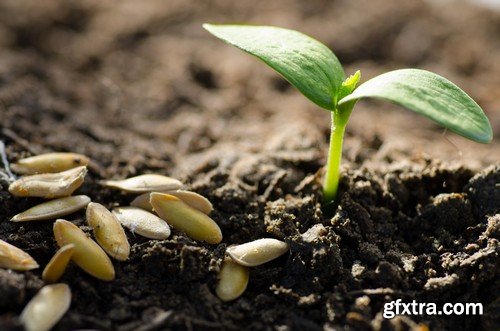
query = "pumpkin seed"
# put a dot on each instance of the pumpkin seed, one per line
(87, 254)
(15, 258)
(257, 252)
(185, 218)
(233, 280)
(144, 183)
(108, 231)
(49, 186)
(53, 209)
(192, 199)
(46, 308)
(58, 263)
(49, 163)
(142, 222)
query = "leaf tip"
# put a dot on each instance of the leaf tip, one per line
(214, 29)
(487, 135)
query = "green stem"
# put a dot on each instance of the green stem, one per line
(332, 176)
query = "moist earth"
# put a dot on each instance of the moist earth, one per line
(140, 88)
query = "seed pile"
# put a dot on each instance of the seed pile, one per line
(160, 204)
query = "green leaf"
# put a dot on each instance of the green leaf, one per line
(349, 84)
(432, 96)
(306, 63)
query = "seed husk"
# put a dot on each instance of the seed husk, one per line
(192, 199)
(53, 209)
(142, 222)
(233, 280)
(108, 231)
(46, 308)
(49, 186)
(87, 254)
(144, 183)
(257, 252)
(185, 218)
(49, 163)
(15, 258)
(58, 263)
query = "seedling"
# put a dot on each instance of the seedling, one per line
(315, 71)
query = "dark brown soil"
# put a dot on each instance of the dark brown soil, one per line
(139, 87)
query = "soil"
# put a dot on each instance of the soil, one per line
(140, 87)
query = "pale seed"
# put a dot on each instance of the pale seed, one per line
(233, 280)
(87, 254)
(144, 183)
(49, 186)
(185, 218)
(142, 201)
(108, 231)
(58, 263)
(53, 209)
(257, 252)
(49, 163)
(14, 258)
(192, 199)
(142, 222)
(46, 308)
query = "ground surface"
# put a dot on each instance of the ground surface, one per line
(140, 87)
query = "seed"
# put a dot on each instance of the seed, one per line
(46, 308)
(49, 163)
(58, 263)
(142, 201)
(186, 219)
(49, 186)
(257, 252)
(53, 209)
(14, 258)
(192, 199)
(108, 231)
(142, 222)
(144, 183)
(87, 254)
(233, 280)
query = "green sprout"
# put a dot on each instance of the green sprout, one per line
(315, 71)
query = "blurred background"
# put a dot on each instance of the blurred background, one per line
(139, 84)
